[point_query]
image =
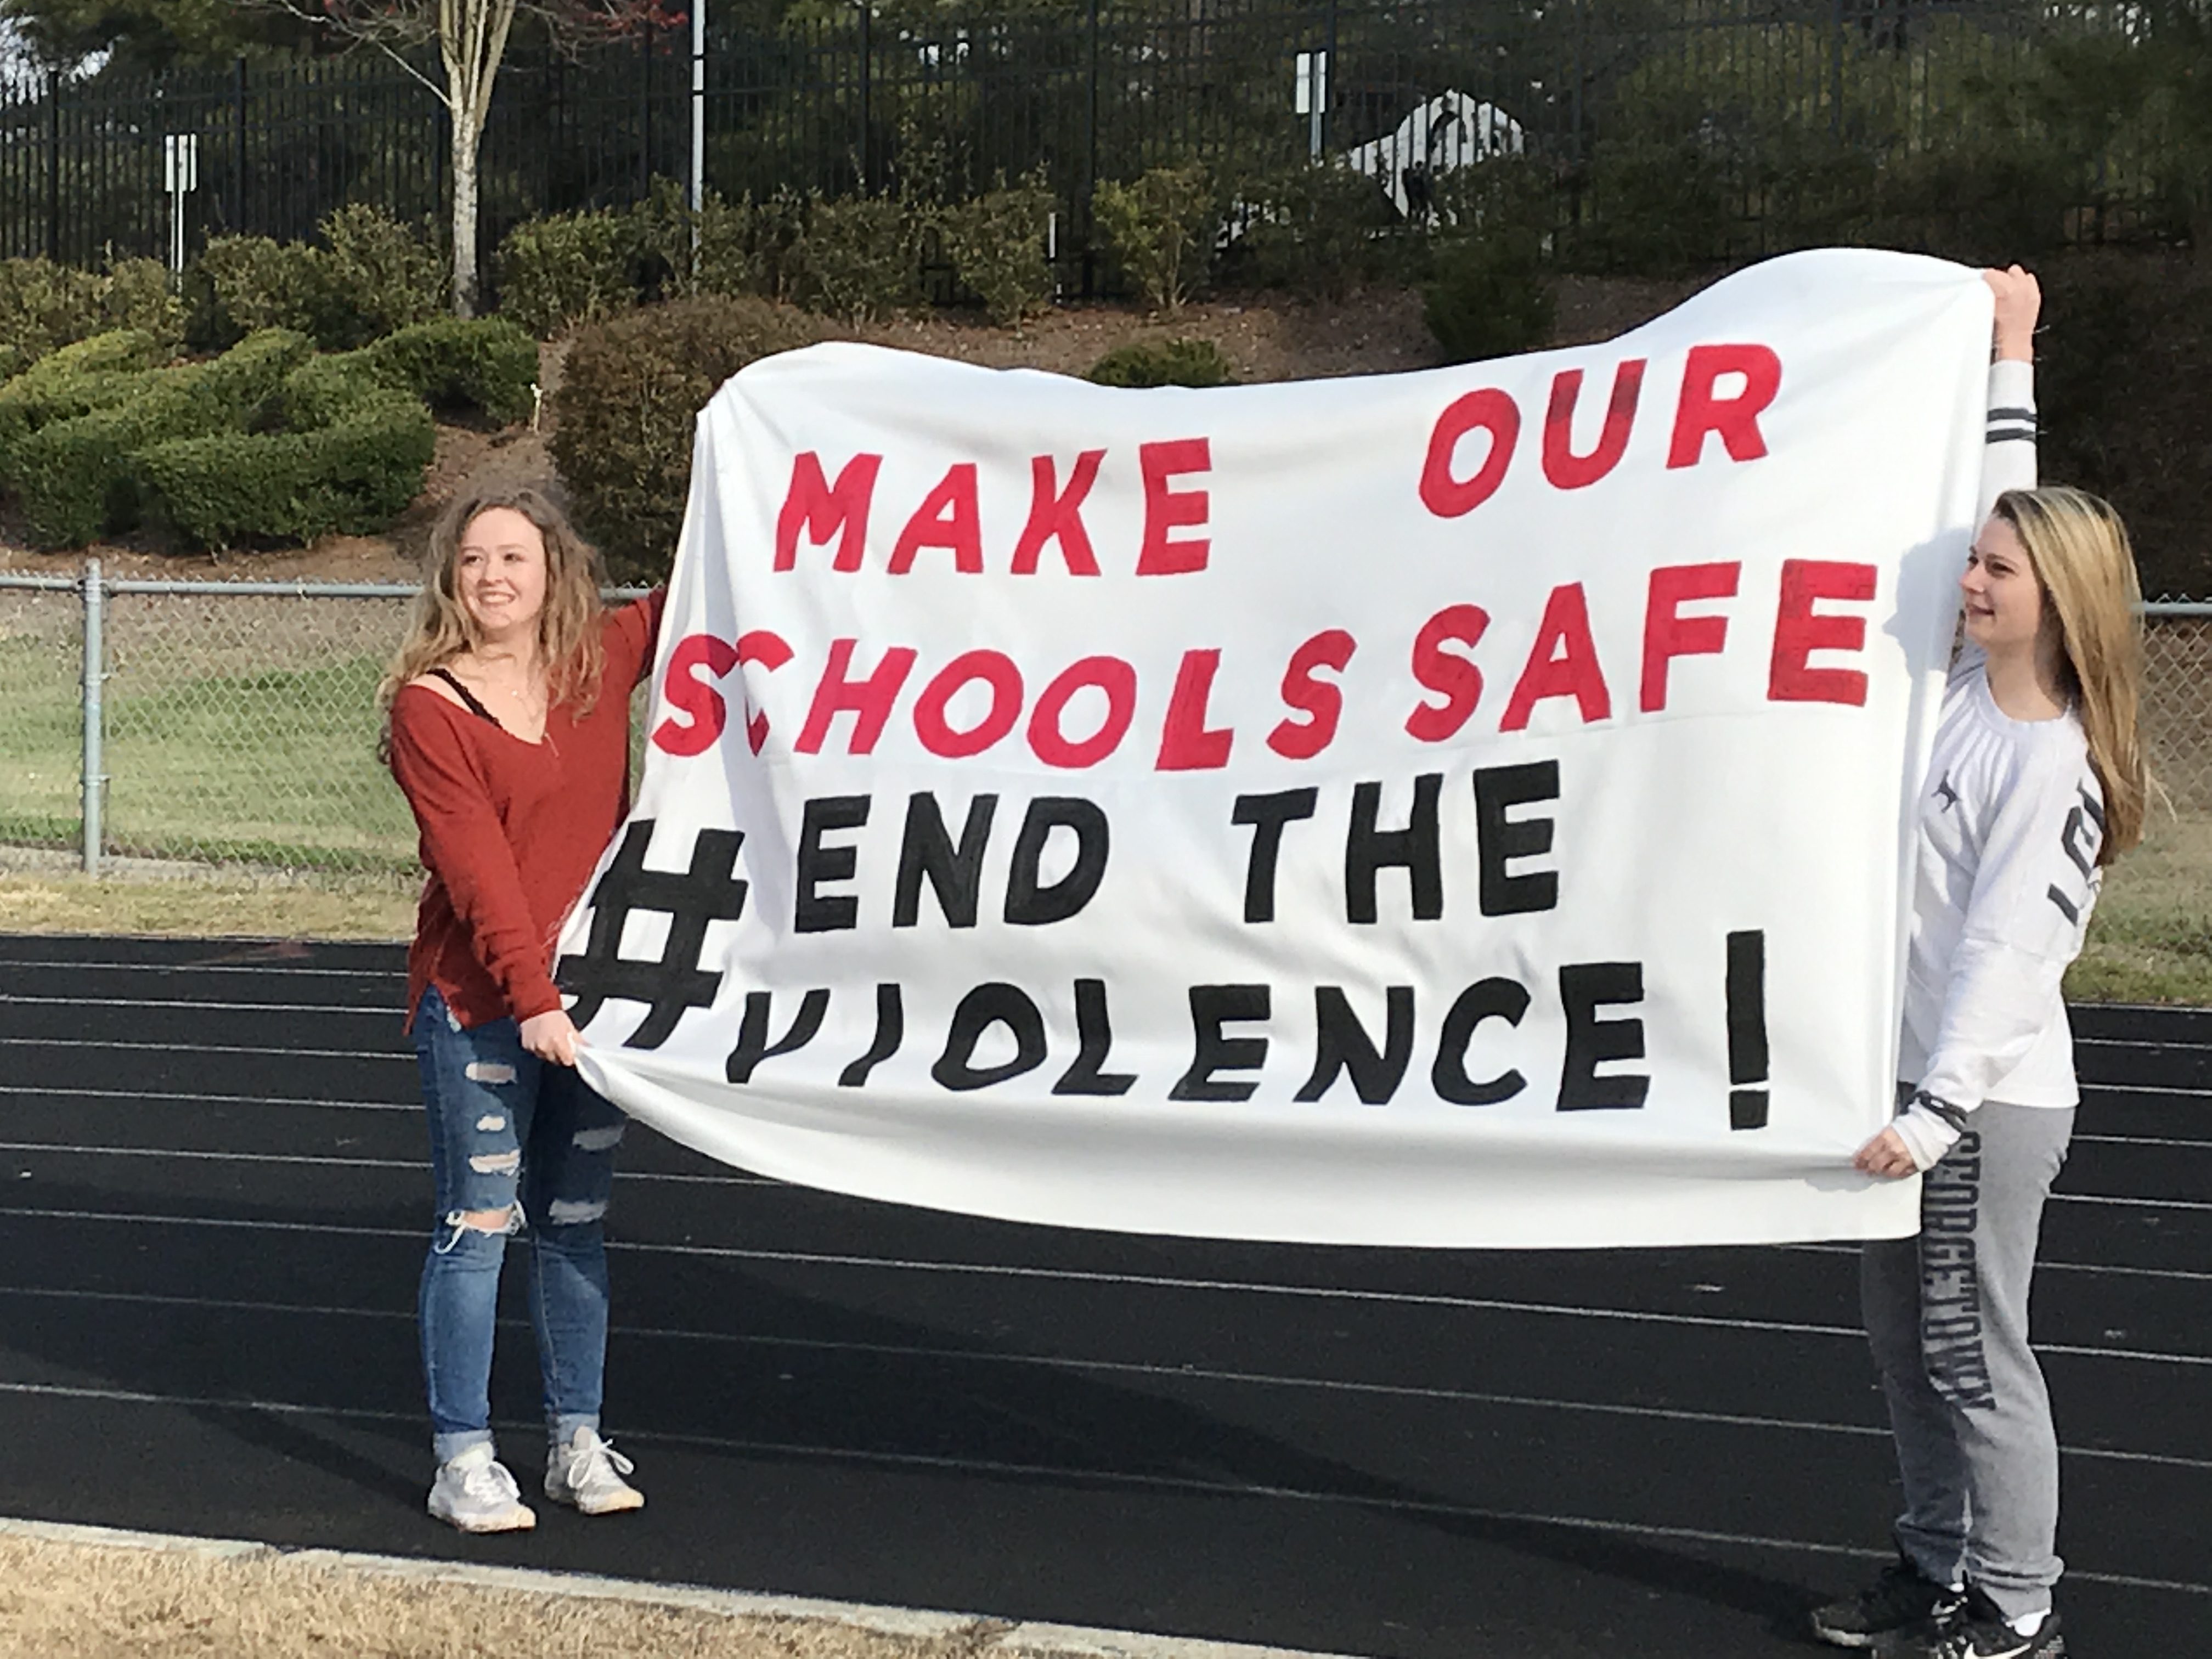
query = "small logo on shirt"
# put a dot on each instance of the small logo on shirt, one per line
(1946, 793)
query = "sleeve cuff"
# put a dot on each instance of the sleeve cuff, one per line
(1926, 1134)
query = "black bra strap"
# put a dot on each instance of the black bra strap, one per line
(468, 697)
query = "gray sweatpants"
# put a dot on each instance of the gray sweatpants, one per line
(1946, 1313)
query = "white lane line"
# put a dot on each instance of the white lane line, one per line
(289, 970)
(1185, 1484)
(2205, 1146)
(2187, 1275)
(41, 1092)
(1076, 1276)
(1108, 1367)
(2133, 1203)
(315, 1159)
(182, 1049)
(203, 1005)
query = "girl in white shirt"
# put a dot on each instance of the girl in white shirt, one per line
(2036, 782)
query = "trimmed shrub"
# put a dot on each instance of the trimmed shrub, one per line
(45, 306)
(1491, 296)
(74, 476)
(567, 269)
(484, 362)
(1160, 228)
(75, 381)
(1162, 362)
(354, 476)
(996, 245)
(629, 396)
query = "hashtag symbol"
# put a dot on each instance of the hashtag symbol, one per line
(709, 890)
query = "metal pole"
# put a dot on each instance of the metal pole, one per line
(94, 781)
(698, 118)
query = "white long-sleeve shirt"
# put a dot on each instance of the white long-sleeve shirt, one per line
(2011, 820)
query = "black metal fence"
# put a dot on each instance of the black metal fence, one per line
(1084, 89)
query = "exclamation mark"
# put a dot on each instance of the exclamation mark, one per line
(1747, 1030)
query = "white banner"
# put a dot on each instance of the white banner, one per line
(1456, 808)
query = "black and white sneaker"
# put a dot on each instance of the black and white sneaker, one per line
(1977, 1631)
(1904, 1601)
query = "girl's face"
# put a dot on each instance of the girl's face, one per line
(2003, 595)
(499, 575)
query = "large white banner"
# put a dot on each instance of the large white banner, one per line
(1456, 808)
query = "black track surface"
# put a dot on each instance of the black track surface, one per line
(214, 1212)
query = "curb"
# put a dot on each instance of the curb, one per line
(1005, 1640)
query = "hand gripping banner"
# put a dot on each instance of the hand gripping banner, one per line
(1457, 808)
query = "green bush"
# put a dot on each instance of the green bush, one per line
(486, 362)
(354, 476)
(483, 362)
(1313, 229)
(243, 284)
(74, 476)
(1162, 362)
(1492, 295)
(75, 381)
(390, 275)
(1160, 229)
(623, 415)
(860, 257)
(751, 247)
(567, 269)
(45, 306)
(374, 275)
(996, 245)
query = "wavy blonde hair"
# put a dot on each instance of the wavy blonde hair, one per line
(2080, 551)
(567, 628)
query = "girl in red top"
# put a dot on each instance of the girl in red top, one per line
(509, 730)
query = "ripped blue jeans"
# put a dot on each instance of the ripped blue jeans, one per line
(509, 1132)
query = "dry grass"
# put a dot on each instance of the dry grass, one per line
(58, 903)
(91, 1602)
(2151, 937)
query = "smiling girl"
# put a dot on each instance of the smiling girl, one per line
(2036, 781)
(507, 728)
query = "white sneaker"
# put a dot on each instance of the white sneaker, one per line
(587, 1472)
(475, 1492)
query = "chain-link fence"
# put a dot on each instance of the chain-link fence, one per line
(235, 724)
(2177, 716)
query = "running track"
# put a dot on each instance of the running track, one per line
(215, 1202)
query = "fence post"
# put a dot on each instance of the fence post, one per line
(54, 166)
(865, 129)
(1091, 168)
(238, 148)
(1325, 85)
(94, 780)
(644, 111)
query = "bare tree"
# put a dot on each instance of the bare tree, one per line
(472, 37)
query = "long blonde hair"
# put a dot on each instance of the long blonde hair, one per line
(2080, 551)
(441, 627)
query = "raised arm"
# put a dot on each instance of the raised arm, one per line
(2008, 462)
